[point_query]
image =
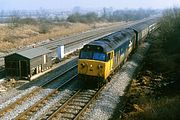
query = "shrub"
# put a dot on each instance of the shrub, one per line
(44, 28)
(169, 30)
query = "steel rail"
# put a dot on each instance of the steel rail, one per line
(32, 93)
(89, 102)
(34, 108)
(73, 97)
(63, 106)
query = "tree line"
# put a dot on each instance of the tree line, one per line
(89, 17)
(170, 29)
(111, 16)
(43, 19)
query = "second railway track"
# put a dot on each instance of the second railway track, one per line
(34, 108)
(70, 72)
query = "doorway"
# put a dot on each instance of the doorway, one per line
(23, 69)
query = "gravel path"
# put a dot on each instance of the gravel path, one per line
(107, 102)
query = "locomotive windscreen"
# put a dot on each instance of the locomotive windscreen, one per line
(93, 48)
(92, 55)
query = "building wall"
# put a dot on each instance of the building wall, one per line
(18, 66)
(40, 64)
(13, 65)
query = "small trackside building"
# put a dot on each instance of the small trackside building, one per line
(26, 63)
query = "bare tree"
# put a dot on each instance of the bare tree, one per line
(14, 19)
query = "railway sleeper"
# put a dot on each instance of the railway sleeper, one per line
(81, 100)
(77, 104)
(72, 111)
(75, 107)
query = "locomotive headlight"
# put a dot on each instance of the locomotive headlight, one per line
(99, 66)
(82, 65)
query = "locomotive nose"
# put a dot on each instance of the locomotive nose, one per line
(91, 68)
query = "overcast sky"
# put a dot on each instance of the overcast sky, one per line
(69, 4)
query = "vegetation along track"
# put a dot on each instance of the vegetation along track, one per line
(73, 106)
(36, 90)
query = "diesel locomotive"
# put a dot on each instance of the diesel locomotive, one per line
(99, 58)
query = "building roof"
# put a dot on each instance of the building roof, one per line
(33, 52)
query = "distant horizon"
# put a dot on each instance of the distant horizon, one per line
(89, 9)
(68, 5)
(81, 8)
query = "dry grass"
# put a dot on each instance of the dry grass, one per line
(153, 109)
(30, 34)
(164, 108)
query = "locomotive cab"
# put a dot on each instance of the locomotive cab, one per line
(94, 64)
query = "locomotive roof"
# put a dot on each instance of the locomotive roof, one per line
(114, 40)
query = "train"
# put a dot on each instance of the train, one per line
(99, 59)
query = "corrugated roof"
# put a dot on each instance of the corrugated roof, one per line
(33, 52)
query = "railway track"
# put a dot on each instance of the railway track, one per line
(38, 105)
(70, 107)
(74, 39)
(86, 36)
(73, 106)
(55, 80)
